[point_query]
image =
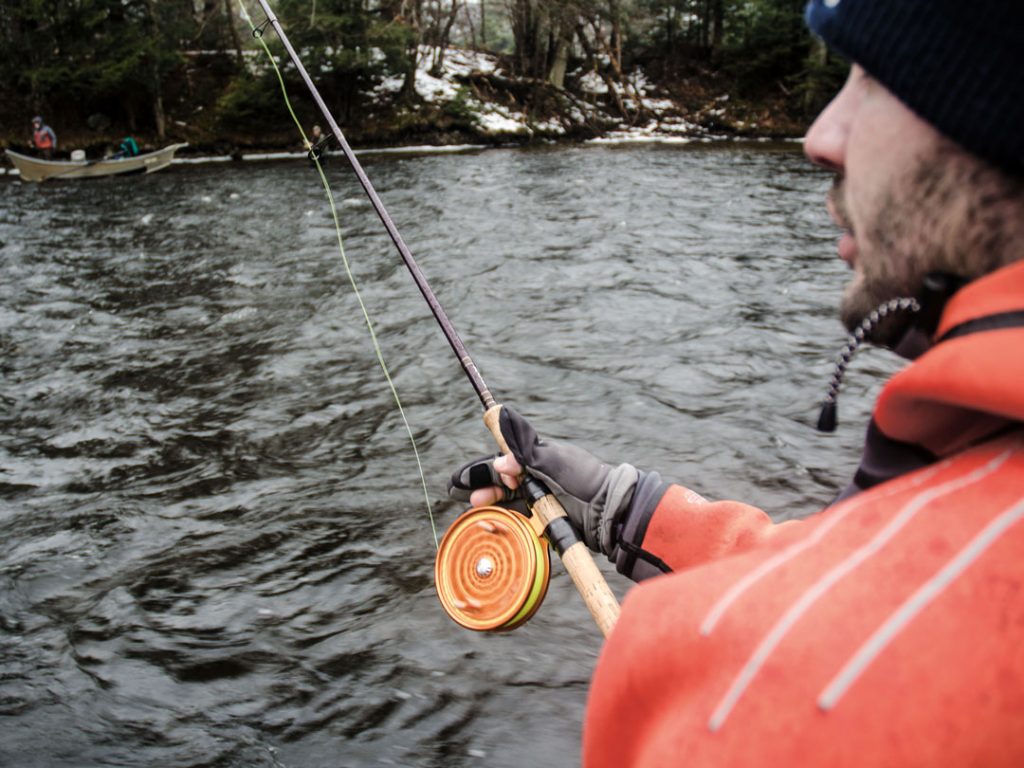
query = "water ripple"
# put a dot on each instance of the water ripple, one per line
(213, 543)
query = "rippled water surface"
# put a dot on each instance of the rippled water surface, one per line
(214, 546)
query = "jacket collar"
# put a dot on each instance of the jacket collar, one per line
(963, 389)
(969, 381)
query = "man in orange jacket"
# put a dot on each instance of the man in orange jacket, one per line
(889, 629)
(43, 138)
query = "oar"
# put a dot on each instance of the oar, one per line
(600, 600)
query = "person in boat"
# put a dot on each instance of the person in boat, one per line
(127, 148)
(889, 628)
(44, 140)
(317, 145)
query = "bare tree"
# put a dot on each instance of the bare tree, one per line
(236, 41)
(440, 33)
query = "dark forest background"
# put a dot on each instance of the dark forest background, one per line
(190, 70)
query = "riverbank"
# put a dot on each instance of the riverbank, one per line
(472, 101)
(623, 138)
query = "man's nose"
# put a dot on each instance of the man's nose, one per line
(825, 142)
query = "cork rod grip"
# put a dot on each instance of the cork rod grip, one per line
(589, 581)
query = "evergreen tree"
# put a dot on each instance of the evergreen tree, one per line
(71, 59)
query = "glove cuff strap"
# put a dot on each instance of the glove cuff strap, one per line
(627, 552)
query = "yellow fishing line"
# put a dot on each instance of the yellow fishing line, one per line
(348, 270)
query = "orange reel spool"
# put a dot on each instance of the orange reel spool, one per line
(492, 570)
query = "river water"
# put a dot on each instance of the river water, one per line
(214, 545)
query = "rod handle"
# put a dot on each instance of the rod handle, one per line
(589, 581)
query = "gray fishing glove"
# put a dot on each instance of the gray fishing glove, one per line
(595, 495)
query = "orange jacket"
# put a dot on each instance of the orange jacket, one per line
(886, 631)
(44, 138)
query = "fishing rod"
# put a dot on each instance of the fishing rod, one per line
(473, 588)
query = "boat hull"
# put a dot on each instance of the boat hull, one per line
(37, 169)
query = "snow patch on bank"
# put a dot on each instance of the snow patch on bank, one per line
(448, 87)
(650, 114)
(657, 115)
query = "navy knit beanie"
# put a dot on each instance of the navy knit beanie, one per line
(959, 64)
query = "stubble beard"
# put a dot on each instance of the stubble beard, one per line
(949, 214)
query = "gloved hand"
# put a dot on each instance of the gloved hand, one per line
(595, 495)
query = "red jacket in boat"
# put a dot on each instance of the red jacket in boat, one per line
(44, 138)
(886, 631)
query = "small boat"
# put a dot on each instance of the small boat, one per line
(37, 169)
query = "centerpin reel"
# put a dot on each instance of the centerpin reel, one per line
(492, 570)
